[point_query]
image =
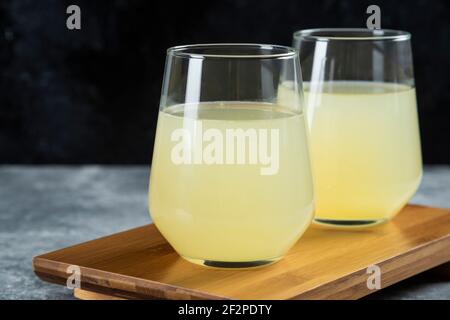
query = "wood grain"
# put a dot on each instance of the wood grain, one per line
(324, 264)
(90, 295)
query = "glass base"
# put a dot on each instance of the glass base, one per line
(348, 224)
(233, 265)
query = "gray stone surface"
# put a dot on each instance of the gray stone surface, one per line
(46, 208)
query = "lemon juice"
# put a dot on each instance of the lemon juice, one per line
(365, 149)
(219, 204)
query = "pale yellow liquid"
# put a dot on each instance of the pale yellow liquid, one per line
(231, 213)
(365, 148)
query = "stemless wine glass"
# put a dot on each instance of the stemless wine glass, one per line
(361, 113)
(230, 182)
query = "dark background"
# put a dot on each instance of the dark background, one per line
(91, 96)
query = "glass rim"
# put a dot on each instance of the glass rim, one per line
(188, 51)
(339, 34)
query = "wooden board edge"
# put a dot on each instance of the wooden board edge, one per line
(117, 285)
(354, 285)
(82, 294)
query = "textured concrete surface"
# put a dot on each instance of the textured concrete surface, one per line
(46, 208)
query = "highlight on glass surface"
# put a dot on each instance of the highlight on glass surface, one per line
(230, 181)
(360, 103)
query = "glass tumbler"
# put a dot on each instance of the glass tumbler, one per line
(360, 104)
(230, 182)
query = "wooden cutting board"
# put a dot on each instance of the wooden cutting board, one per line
(324, 264)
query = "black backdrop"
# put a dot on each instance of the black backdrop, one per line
(91, 96)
